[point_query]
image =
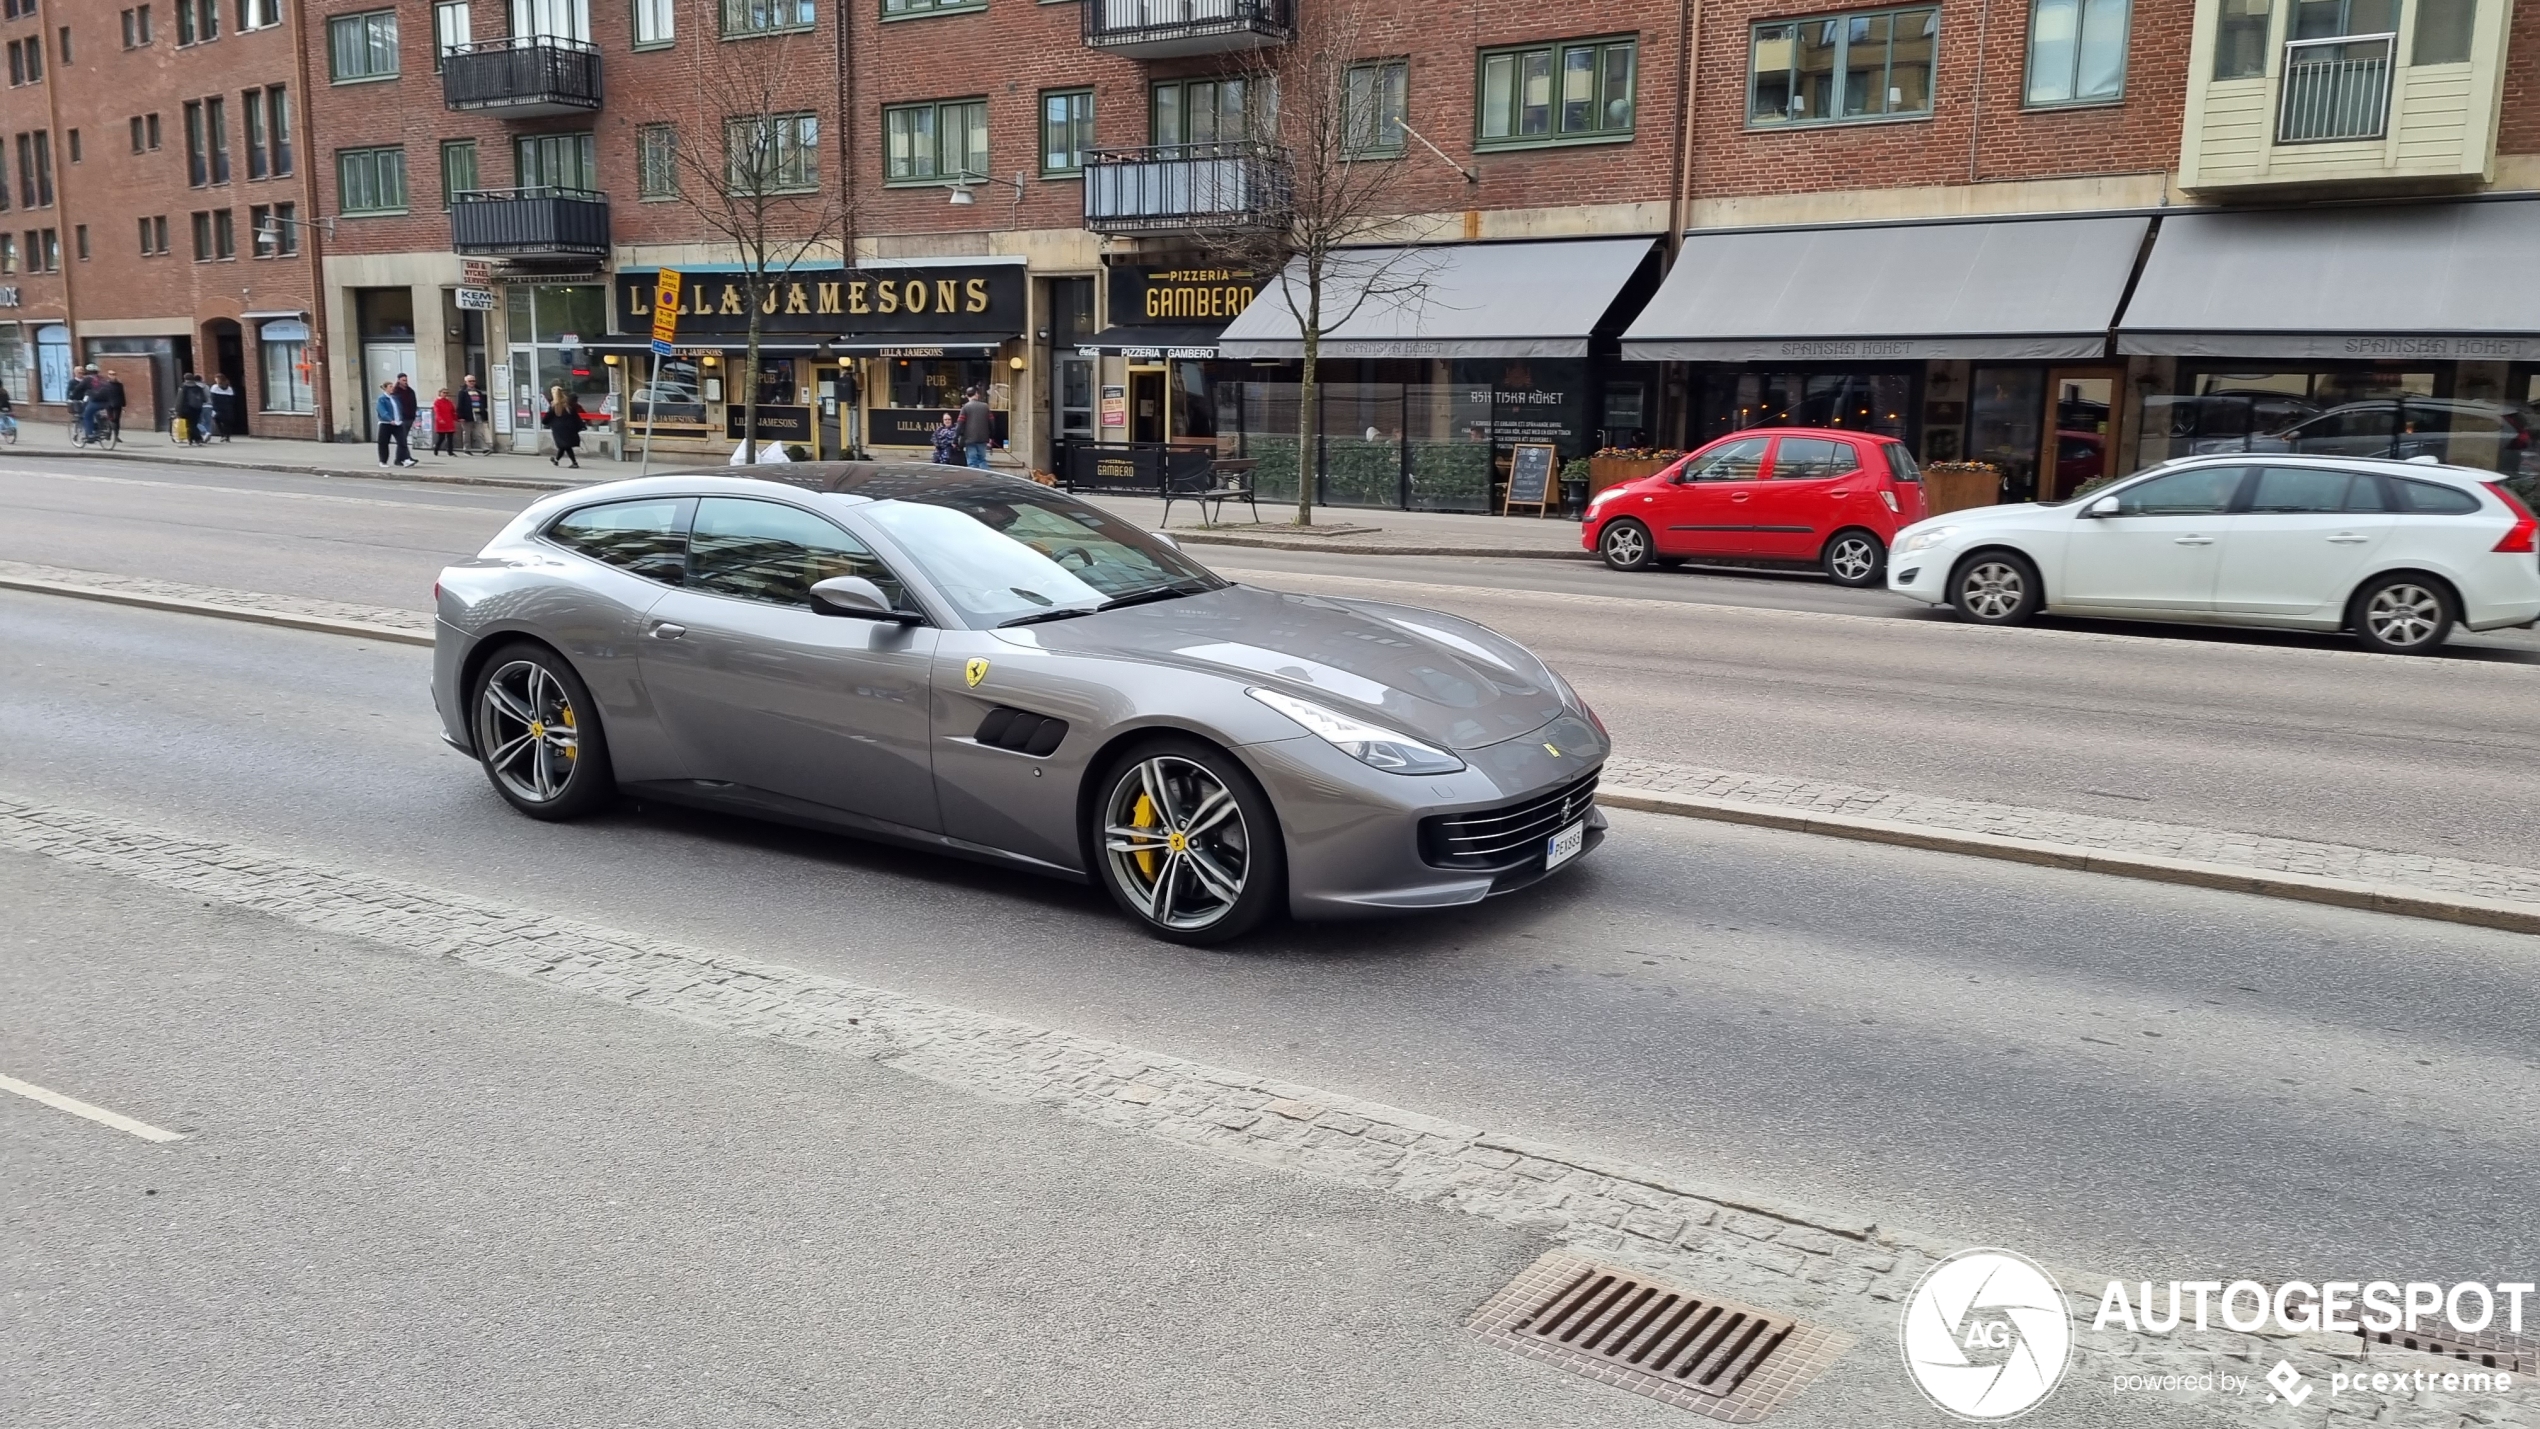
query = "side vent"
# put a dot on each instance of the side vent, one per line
(1021, 731)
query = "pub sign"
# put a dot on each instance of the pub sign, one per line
(985, 299)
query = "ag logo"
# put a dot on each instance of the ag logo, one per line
(1986, 1334)
(975, 671)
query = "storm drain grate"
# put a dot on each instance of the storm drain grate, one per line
(1630, 1330)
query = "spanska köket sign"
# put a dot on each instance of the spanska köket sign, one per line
(985, 300)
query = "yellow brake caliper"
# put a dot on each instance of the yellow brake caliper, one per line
(1143, 816)
(573, 750)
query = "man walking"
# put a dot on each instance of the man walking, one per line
(978, 428)
(389, 418)
(408, 403)
(475, 410)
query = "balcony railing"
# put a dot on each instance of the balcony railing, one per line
(1185, 188)
(523, 77)
(2335, 89)
(1164, 29)
(530, 222)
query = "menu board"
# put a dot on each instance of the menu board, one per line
(1530, 475)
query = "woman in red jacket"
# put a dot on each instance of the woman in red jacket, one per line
(445, 425)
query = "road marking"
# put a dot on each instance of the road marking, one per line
(97, 1114)
(324, 496)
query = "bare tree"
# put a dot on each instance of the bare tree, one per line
(745, 157)
(1335, 230)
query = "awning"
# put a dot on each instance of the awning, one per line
(2003, 288)
(1451, 300)
(2440, 281)
(1159, 341)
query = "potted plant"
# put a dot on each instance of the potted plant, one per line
(1574, 488)
(1619, 464)
(1957, 485)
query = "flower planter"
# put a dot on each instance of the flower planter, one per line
(1956, 486)
(1605, 471)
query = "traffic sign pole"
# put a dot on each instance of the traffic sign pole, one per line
(666, 300)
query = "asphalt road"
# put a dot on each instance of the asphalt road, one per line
(2166, 1082)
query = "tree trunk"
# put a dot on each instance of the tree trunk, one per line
(749, 409)
(1309, 426)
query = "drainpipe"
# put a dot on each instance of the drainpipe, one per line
(313, 235)
(1975, 98)
(1680, 196)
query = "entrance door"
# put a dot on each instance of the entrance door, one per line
(381, 362)
(2081, 428)
(833, 392)
(1146, 404)
(229, 360)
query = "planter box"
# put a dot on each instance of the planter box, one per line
(1605, 471)
(1946, 491)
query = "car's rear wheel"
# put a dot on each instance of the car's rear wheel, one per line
(1996, 588)
(2403, 615)
(1626, 546)
(1187, 842)
(1854, 558)
(538, 734)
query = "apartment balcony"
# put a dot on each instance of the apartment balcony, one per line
(1185, 188)
(1171, 29)
(523, 77)
(529, 223)
(2412, 110)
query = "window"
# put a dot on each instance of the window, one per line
(929, 143)
(1873, 65)
(52, 250)
(657, 161)
(767, 17)
(202, 238)
(286, 230)
(1375, 100)
(198, 160)
(277, 129)
(79, 241)
(1067, 130)
(63, 38)
(257, 14)
(643, 536)
(1594, 80)
(136, 27)
(553, 19)
(2426, 498)
(197, 21)
(371, 180)
(2206, 491)
(136, 133)
(654, 23)
(1211, 111)
(224, 234)
(773, 153)
(259, 217)
(2240, 38)
(71, 138)
(760, 550)
(150, 129)
(892, 8)
(2301, 489)
(1814, 459)
(148, 247)
(26, 61)
(360, 47)
(2076, 50)
(559, 161)
(283, 346)
(35, 169)
(216, 125)
(9, 252)
(1741, 460)
(451, 28)
(251, 118)
(458, 170)
(2443, 31)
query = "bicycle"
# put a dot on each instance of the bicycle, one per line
(9, 428)
(108, 432)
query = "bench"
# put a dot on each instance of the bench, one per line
(1211, 487)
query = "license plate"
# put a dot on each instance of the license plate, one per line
(1564, 846)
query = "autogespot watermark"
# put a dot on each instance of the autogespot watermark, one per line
(1987, 1334)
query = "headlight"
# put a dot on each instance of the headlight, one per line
(1369, 745)
(1924, 540)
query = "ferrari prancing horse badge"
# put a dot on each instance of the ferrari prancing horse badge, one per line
(975, 671)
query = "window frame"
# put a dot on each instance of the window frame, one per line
(586, 158)
(1553, 52)
(372, 154)
(369, 20)
(453, 24)
(2081, 21)
(1401, 142)
(935, 110)
(809, 10)
(665, 11)
(1079, 125)
(804, 149)
(1931, 96)
(656, 162)
(893, 10)
(475, 171)
(2224, 30)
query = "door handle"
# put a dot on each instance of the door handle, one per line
(664, 630)
(2347, 538)
(2195, 540)
(1737, 496)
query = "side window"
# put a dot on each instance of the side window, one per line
(2425, 498)
(766, 551)
(1814, 459)
(2206, 491)
(2285, 490)
(1900, 462)
(644, 537)
(1741, 460)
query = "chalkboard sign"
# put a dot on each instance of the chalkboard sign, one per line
(1530, 467)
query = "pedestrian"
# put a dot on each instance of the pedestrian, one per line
(978, 428)
(409, 403)
(228, 409)
(564, 423)
(385, 414)
(475, 410)
(190, 398)
(445, 425)
(84, 401)
(948, 441)
(106, 398)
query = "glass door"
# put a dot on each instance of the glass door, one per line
(2080, 438)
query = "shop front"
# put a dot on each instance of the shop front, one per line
(1150, 380)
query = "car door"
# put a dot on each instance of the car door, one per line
(757, 688)
(2303, 539)
(1703, 512)
(2160, 551)
(1816, 484)
(631, 554)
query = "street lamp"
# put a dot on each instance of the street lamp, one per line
(269, 232)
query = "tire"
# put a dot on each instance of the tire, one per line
(1626, 545)
(1854, 558)
(537, 734)
(1176, 825)
(2403, 615)
(1996, 588)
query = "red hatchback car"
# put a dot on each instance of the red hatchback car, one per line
(1799, 494)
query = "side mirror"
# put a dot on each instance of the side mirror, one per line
(2104, 506)
(857, 597)
(1176, 545)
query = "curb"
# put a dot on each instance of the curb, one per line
(511, 483)
(324, 625)
(2080, 858)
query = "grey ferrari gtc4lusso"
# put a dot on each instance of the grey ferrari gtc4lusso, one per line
(969, 662)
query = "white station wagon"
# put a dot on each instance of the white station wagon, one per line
(2397, 552)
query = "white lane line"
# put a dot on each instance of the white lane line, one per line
(322, 496)
(97, 1114)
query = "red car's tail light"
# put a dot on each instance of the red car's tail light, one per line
(2524, 538)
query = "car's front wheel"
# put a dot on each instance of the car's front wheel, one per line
(1854, 558)
(1626, 546)
(1187, 842)
(2403, 615)
(538, 734)
(1996, 588)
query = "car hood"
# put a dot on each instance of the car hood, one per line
(1440, 678)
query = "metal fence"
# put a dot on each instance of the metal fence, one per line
(1184, 187)
(2335, 89)
(530, 220)
(1117, 22)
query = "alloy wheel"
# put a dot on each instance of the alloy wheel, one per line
(1992, 590)
(1625, 545)
(2403, 614)
(1852, 559)
(526, 725)
(1177, 842)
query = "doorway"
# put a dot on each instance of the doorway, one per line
(2079, 445)
(834, 391)
(229, 360)
(1146, 404)
(381, 362)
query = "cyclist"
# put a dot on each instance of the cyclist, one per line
(8, 418)
(76, 394)
(105, 400)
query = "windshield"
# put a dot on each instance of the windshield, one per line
(1003, 553)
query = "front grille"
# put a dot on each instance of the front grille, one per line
(1494, 839)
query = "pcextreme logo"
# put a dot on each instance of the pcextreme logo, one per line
(1986, 1335)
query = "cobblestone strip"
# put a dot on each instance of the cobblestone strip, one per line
(2425, 872)
(1838, 1271)
(223, 599)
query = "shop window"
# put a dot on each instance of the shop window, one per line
(53, 362)
(768, 17)
(362, 47)
(13, 360)
(1878, 402)
(935, 381)
(672, 396)
(1067, 130)
(371, 181)
(932, 143)
(283, 354)
(772, 153)
(1549, 94)
(1841, 68)
(2076, 51)
(1375, 100)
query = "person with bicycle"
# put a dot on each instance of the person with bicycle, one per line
(76, 394)
(105, 401)
(8, 418)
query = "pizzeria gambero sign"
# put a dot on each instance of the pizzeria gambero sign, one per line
(839, 302)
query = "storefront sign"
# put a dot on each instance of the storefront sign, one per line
(837, 302)
(474, 300)
(8, 297)
(915, 426)
(476, 272)
(775, 423)
(1186, 296)
(1823, 350)
(1115, 406)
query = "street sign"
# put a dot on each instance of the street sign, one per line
(666, 296)
(477, 272)
(662, 348)
(475, 300)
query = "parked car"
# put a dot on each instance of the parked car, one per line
(2491, 436)
(2397, 552)
(1802, 495)
(974, 664)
